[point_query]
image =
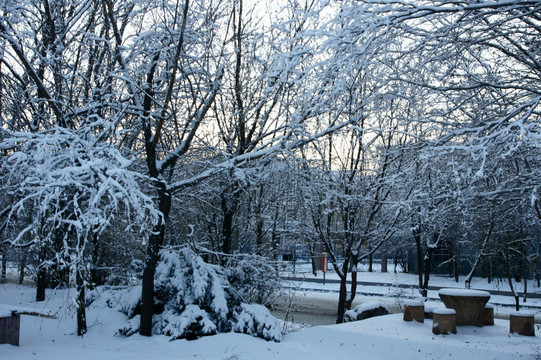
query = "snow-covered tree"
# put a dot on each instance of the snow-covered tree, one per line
(73, 185)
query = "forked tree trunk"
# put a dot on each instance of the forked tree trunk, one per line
(345, 299)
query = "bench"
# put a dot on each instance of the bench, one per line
(487, 316)
(444, 321)
(414, 310)
(522, 322)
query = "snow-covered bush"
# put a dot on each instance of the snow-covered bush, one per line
(192, 294)
(194, 299)
(256, 320)
(253, 278)
(191, 323)
(366, 310)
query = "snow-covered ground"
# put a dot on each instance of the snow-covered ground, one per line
(385, 337)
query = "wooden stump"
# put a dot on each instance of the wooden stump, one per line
(522, 322)
(414, 310)
(487, 316)
(9, 329)
(444, 321)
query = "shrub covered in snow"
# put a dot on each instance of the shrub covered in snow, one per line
(194, 299)
(366, 310)
(253, 278)
(256, 320)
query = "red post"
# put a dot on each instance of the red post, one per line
(324, 265)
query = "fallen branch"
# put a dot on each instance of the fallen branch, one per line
(33, 313)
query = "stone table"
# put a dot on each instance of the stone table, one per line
(468, 304)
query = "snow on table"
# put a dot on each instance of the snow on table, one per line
(464, 292)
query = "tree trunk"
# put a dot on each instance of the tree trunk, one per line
(424, 288)
(22, 269)
(41, 282)
(229, 208)
(155, 243)
(3, 279)
(419, 249)
(342, 295)
(480, 255)
(81, 305)
(525, 289)
(345, 300)
(384, 263)
(227, 226)
(509, 275)
(456, 265)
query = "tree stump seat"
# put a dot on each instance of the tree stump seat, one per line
(522, 322)
(487, 316)
(414, 310)
(10, 325)
(444, 321)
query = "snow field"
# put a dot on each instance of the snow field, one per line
(385, 337)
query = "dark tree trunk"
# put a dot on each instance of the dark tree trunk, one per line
(81, 305)
(155, 243)
(509, 275)
(22, 269)
(227, 227)
(342, 295)
(3, 279)
(424, 288)
(42, 277)
(384, 263)
(229, 209)
(262, 248)
(456, 264)
(345, 300)
(419, 253)
(313, 256)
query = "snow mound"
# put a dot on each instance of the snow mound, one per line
(366, 310)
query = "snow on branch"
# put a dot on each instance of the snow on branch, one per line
(66, 178)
